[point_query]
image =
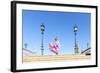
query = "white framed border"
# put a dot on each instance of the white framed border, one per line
(42, 7)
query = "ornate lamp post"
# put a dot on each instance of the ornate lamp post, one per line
(25, 45)
(75, 33)
(42, 39)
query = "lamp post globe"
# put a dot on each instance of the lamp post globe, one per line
(42, 28)
(75, 28)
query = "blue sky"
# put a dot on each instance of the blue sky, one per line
(56, 24)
